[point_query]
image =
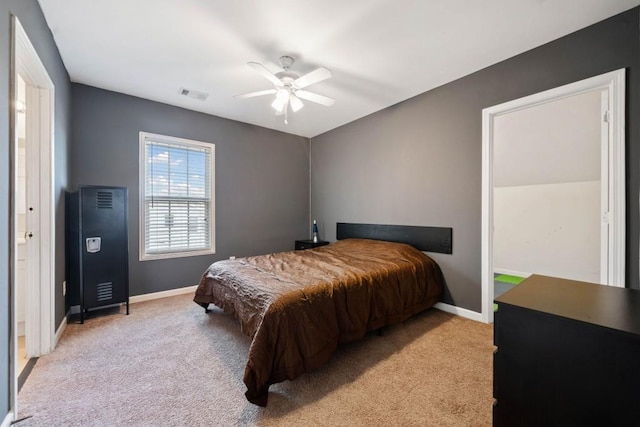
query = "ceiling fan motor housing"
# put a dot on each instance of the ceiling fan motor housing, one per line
(286, 78)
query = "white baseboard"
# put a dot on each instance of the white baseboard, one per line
(459, 311)
(60, 331)
(162, 294)
(511, 272)
(75, 309)
(7, 420)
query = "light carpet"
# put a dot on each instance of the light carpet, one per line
(170, 364)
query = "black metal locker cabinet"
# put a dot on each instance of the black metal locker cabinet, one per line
(98, 245)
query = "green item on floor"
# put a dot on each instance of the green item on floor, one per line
(495, 307)
(505, 278)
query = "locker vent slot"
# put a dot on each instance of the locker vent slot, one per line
(105, 291)
(104, 200)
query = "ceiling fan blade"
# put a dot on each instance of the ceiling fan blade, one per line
(253, 94)
(314, 97)
(313, 77)
(266, 73)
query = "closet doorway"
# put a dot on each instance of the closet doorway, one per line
(553, 186)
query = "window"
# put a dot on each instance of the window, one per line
(176, 197)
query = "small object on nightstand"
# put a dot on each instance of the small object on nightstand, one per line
(309, 244)
(315, 231)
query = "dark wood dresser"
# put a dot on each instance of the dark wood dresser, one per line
(568, 354)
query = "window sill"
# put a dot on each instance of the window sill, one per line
(151, 257)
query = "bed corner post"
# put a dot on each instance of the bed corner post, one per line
(205, 306)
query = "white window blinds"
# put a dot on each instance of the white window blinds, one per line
(177, 197)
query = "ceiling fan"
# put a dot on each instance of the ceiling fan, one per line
(289, 88)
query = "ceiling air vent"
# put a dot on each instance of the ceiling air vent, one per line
(200, 96)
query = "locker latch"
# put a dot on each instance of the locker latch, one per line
(93, 244)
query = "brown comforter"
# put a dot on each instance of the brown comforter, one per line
(298, 306)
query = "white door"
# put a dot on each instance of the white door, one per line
(606, 147)
(24, 251)
(29, 217)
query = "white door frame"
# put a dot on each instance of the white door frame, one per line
(614, 82)
(40, 290)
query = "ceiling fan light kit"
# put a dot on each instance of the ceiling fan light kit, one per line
(287, 87)
(282, 97)
(295, 103)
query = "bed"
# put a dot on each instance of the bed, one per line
(298, 306)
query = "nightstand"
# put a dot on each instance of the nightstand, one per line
(308, 244)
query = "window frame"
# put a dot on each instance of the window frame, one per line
(142, 177)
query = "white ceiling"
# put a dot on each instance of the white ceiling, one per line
(380, 52)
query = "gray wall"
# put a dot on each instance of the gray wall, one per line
(30, 15)
(262, 178)
(419, 162)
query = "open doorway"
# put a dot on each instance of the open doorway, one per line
(553, 186)
(21, 222)
(32, 215)
(550, 185)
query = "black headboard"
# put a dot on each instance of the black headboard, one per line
(429, 239)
